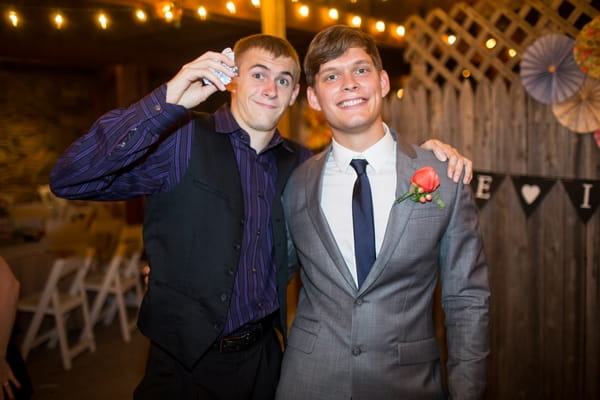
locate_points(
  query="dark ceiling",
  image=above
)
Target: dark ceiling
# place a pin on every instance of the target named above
(159, 45)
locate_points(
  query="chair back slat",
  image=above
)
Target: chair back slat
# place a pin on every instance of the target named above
(121, 277)
(69, 272)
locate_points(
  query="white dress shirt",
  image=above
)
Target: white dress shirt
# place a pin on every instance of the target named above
(338, 184)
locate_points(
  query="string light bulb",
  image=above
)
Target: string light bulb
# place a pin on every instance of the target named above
(512, 53)
(356, 21)
(333, 14)
(58, 20)
(490, 43)
(168, 13)
(230, 6)
(380, 26)
(102, 20)
(304, 11)
(401, 30)
(13, 18)
(255, 3)
(202, 13)
(140, 15)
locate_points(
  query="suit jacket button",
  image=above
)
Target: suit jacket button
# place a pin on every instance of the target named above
(356, 351)
(358, 302)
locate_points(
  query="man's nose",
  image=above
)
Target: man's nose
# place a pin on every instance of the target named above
(270, 89)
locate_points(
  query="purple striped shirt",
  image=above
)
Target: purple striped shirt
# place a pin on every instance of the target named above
(255, 289)
(144, 149)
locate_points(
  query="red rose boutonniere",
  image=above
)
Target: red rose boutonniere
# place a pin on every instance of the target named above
(422, 187)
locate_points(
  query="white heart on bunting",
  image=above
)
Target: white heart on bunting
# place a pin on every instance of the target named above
(530, 193)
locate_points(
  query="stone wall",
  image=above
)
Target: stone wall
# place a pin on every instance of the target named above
(42, 110)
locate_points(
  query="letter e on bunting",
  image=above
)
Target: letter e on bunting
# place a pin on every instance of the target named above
(484, 185)
(585, 196)
(531, 191)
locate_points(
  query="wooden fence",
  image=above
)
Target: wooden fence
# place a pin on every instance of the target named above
(543, 269)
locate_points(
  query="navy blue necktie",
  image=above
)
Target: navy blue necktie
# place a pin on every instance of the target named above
(362, 219)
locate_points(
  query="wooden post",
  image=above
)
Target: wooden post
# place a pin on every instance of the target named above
(272, 14)
(273, 23)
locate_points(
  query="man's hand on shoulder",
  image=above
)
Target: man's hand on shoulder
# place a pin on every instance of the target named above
(456, 161)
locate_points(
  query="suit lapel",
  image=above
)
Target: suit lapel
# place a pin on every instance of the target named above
(399, 213)
(314, 183)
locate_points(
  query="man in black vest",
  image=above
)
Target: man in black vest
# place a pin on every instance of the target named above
(214, 230)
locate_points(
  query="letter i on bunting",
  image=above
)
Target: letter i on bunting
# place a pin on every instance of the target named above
(585, 196)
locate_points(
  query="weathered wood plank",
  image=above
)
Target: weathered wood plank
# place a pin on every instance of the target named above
(544, 269)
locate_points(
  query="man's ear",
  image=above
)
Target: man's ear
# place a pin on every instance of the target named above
(295, 94)
(385, 82)
(232, 87)
(311, 96)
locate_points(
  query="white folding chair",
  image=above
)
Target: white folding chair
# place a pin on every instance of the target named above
(58, 301)
(118, 282)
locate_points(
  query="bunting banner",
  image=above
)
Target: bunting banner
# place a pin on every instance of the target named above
(531, 190)
(585, 196)
(484, 184)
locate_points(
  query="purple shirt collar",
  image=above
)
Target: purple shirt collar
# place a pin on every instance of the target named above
(226, 123)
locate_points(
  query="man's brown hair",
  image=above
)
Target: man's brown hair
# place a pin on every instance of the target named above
(274, 45)
(331, 43)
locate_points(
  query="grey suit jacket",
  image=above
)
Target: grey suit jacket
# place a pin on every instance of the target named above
(378, 342)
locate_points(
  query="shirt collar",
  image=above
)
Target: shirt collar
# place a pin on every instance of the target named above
(225, 123)
(377, 155)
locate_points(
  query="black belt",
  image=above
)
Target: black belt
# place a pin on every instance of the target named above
(244, 340)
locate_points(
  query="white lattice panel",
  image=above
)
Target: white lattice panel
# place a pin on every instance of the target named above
(434, 61)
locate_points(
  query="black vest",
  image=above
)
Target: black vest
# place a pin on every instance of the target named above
(192, 237)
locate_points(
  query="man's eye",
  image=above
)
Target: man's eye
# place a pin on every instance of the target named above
(330, 77)
(257, 75)
(284, 82)
(362, 70)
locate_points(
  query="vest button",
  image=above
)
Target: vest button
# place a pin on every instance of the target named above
(237, 247)
(230, 271)
(224, 297)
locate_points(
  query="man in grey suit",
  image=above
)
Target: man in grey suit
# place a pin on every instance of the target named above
(357, 337)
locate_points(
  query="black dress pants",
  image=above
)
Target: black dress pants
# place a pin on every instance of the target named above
(250, 374)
